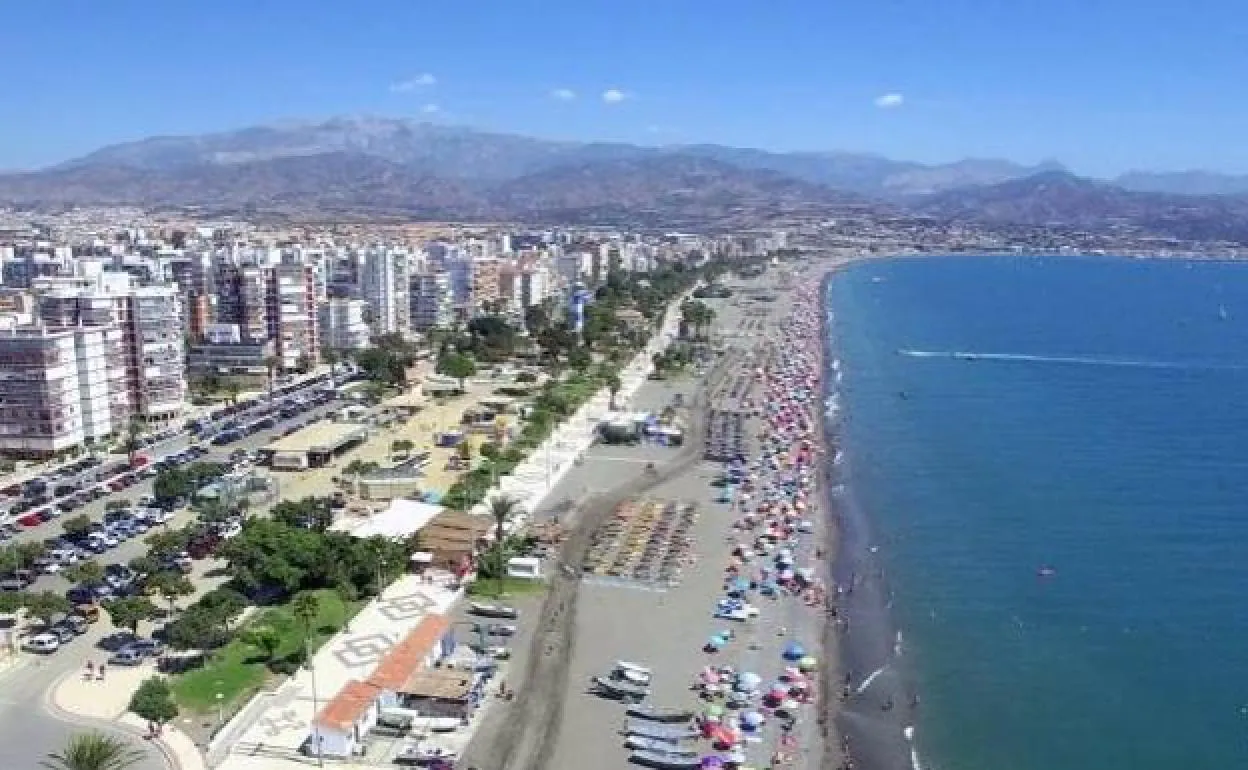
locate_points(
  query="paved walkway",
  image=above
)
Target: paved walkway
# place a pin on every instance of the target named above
(279, 730)
(106, 700)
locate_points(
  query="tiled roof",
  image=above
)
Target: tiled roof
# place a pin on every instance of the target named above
(351, 702)
(409, 655)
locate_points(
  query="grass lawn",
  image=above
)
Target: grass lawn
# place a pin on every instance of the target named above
(238, 670)
(488, 589)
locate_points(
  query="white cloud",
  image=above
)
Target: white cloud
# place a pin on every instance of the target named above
(889, 101)
(613, 96)
(563, 94)
(423, 80)
(431, 109)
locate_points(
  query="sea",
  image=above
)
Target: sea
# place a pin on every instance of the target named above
(1046, 463)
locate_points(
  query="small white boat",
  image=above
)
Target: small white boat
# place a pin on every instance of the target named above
(493, 610)
(423, 754)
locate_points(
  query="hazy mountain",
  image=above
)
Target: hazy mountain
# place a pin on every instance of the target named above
(1184, 182)
(656, 188)
(1062, 199)
(456, 152)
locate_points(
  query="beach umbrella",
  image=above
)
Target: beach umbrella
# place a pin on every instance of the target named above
(807, 663)
(751, 720)
(714, 643)
(794, 651)
(789, 706)
(791, 673)
(714, 711)
(748, 681)
(712, 762)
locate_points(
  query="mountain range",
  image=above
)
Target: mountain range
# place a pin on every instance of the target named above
(404, 168)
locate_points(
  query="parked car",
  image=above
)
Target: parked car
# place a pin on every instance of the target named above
(44, 644)
(126, 656)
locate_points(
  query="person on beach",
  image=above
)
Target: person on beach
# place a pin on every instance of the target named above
(90, 672)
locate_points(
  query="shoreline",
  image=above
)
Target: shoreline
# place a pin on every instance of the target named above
(875, 702)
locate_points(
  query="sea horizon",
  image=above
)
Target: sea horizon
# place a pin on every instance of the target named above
(1041, 487)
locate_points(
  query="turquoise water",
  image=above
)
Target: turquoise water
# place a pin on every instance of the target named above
(1108, 440)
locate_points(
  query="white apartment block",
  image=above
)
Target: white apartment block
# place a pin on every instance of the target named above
(384, 285)
(146, 347)
(432, 301)
(343, 326)
(54, 388)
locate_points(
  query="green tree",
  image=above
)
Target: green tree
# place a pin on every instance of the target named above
(306, 606)
(76, 526)
(46, 605)
(131, 444)
(458, 366)
(88, 573)
(271, 365)
(264, 638)
(171, 586)
(304, 363)
(168, 542)
(580, 359)
(464, 450)
(231, 391)
(12, 601)
(613, 387)
(502, 509)
(27, 553)
(93, 751)
(153, 701)
(10, 560)
(130, 611)
(171, 484)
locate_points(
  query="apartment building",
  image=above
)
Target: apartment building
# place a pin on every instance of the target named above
(385, 277)
(147, 374)
(486, 279)
(54, 389)
(432, 301)
(271, 303)
(343, 326)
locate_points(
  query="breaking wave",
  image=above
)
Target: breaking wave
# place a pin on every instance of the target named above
(1139, 363)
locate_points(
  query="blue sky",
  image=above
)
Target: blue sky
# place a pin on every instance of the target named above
(1102, 85)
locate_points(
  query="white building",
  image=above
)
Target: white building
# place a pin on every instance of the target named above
(343, 326)
(384, 279)
(55, 388)
(432, 301)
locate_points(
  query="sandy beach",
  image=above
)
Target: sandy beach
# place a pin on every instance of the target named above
(586, 625)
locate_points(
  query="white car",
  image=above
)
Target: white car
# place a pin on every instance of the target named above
(44, 644)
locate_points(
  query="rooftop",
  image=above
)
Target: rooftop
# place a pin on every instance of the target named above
(346, 708)
(408, 657)
(439, 684)
(319, 437)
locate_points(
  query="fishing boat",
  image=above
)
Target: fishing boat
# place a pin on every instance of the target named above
(619, 690)
(641, 743)
(659, 731)
(665, 761)
(652, 714)
(493, 610)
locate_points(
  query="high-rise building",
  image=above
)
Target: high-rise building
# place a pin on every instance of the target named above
(485, 284)
(342, 324)
(147, 348)
(54, 389)
(384, 285)
(432, 301)
(274, 303)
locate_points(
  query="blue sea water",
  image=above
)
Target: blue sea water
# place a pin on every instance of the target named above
(1003, 414)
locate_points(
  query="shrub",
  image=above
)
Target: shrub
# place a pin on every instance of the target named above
(153, 701)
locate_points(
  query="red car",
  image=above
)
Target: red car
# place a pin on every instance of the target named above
(30, 520)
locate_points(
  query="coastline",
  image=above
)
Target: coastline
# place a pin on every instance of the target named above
(874, 703)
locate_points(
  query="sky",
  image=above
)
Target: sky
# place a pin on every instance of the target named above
(1103, 86)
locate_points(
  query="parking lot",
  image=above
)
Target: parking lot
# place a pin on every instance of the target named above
(118, 501)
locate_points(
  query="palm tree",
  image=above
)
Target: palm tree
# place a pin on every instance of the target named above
(271, 363)
(305, 607)
(94, 751)
(131, 443)
(613, 386)
(502, 508)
